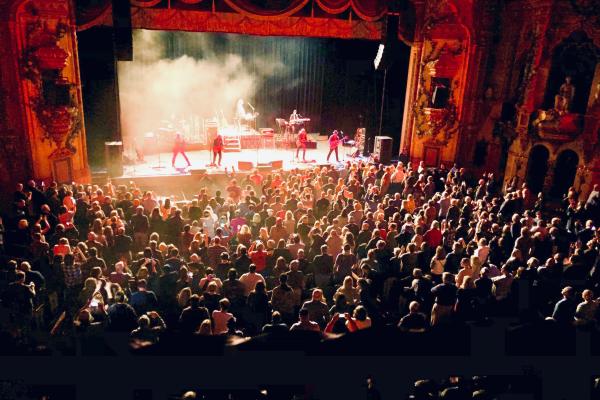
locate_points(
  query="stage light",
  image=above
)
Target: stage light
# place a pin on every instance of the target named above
(379, 55)
(387, 53)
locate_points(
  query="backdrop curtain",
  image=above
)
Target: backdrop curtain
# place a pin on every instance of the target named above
(297, 78)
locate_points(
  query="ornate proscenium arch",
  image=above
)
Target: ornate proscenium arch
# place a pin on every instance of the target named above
(348, 19)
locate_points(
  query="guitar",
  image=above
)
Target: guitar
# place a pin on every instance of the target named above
(301, 139)
(301, 142)
(334, 142)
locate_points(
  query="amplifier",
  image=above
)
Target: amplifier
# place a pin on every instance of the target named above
(113, 156)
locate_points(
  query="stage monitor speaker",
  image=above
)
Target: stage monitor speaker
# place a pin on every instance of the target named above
(113, 157)
(123, 36)
(382, 150)
(197, 171)
(245, 165)
(278, 164)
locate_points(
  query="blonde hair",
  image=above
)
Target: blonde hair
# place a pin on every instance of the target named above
(475, 264)
(183, 297)
(205, 328)
(244, 230)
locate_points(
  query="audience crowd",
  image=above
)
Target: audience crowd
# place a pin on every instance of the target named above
(321, 249)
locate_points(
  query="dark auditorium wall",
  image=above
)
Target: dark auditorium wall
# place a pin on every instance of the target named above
(100, 90)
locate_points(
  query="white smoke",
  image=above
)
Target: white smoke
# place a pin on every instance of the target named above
(153, 89)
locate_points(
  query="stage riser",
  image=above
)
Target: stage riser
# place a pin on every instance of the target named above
(178, 184)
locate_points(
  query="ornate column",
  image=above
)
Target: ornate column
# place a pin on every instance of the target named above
(43, 34)
(414, 69)
(412, 81)
(14, 151)
(438, 62)
(476, 106)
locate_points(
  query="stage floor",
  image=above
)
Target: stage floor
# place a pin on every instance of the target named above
(160, 164)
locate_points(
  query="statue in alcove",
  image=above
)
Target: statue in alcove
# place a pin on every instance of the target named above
(547, 118)
(564, 98)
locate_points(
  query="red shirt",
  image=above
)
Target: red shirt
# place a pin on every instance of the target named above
(218, 143)
(256, 179)
(433, 238)
(259, 258)
(179, 143)
(302, 138)
(333, 141)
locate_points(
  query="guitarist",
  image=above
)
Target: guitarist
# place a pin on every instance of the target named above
(217, 149)
(301, 144)
(179, 148)
(334, 142)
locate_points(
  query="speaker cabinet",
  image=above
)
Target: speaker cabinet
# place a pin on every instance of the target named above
(382, 150)
(277, 164)
(245, 165)
(113, 156)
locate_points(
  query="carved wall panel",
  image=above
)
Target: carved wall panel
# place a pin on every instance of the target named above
(49, 87)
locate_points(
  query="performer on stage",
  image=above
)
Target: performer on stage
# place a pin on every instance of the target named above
(334, 142)
(179, 147)
(301, 143)
(217, 149)
(294, 117)
(240, 112)
(139, 151)
(293, 122)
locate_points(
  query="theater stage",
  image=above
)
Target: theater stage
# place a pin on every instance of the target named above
(156, 172)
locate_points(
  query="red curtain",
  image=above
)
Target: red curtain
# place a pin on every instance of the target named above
(145, 3)
(160, 19)
(334, 6)
(92, 11)
(369, 9)
(248, 8)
